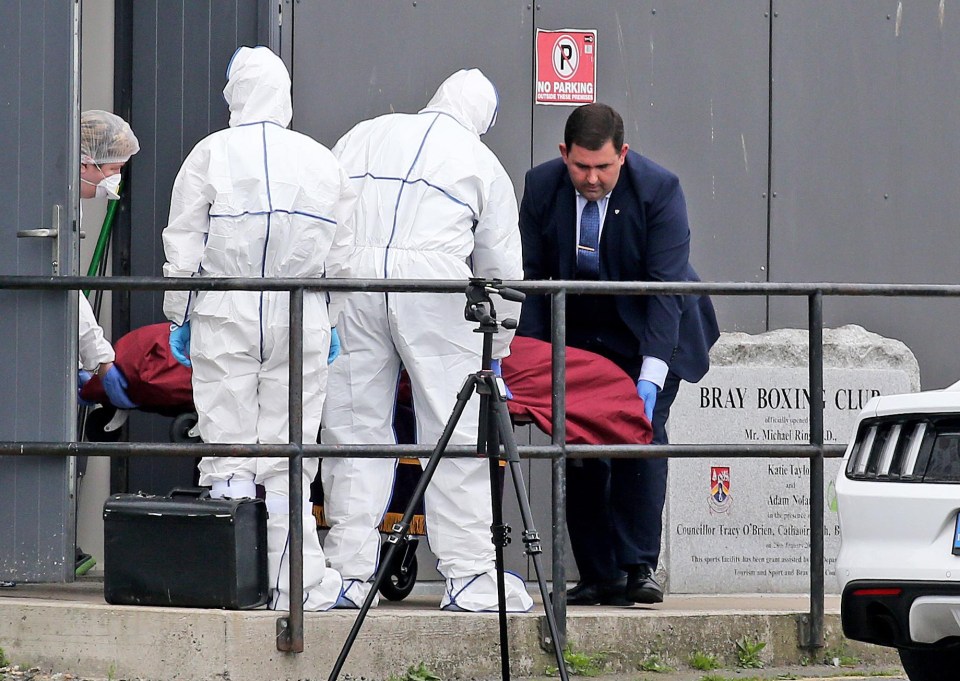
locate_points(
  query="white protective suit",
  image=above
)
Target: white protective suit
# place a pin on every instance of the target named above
(94, 348)
(259, 200)
(105, 138)
(435, 203)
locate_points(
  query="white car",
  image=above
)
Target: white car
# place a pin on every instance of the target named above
(899, 563)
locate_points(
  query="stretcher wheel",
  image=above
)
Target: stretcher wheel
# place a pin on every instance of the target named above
(181, 427)
(95, 425)
(402, 572)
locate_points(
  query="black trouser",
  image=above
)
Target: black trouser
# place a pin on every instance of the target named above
(615, 506)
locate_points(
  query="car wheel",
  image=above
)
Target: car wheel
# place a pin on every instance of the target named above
(932, 664)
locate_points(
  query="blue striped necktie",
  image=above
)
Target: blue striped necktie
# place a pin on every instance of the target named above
(588, 250)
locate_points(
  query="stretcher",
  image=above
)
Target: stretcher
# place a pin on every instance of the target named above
(602, 408)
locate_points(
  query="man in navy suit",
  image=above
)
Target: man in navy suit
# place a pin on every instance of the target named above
(606, 213)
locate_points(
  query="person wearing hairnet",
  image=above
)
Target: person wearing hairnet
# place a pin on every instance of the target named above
(106, 144)
(258, 200)
(435, 203)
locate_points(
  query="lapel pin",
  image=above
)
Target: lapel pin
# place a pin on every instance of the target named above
(616, 211)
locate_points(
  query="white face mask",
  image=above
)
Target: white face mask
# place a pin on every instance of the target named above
(109, 187)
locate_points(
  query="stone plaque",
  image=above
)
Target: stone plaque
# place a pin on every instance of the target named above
(741, 525)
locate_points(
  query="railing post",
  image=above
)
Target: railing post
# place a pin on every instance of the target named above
(814, 628)
(290, 628)
(558, 337)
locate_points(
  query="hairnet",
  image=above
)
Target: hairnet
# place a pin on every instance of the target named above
(106, 138)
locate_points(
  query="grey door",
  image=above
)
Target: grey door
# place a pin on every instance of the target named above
(38, 116)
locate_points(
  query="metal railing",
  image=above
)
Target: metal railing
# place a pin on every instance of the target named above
(290, 628)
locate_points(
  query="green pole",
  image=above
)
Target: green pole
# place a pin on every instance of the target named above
(103, 241)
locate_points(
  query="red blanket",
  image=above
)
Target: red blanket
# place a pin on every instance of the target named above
(602, 402)
(156, 380)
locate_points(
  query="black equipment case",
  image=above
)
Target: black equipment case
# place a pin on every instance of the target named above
(185, 550)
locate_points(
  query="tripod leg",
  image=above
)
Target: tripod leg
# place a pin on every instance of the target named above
(531, 537)
(400, 530)
(499, 531)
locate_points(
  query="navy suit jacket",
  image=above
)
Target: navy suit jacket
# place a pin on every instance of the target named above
(645, 237)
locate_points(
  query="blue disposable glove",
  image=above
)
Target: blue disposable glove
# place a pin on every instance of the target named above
(115, 385)
(648, 393)
(83, 377)
(495, 368)
(334, 346)
(180, 343)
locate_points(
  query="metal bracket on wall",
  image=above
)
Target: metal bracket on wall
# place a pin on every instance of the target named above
(53, 232)
(288, 640)
(547, 644)
(810, 637)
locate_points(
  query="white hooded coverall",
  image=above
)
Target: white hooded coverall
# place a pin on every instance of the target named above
(259, 200)
(434, 203)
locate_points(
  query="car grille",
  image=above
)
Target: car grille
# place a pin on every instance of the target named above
(907, 449)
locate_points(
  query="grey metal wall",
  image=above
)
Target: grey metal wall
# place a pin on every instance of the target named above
(685, 108)
(842, 169)
(357, 60)
(171, 70)
(38, 117)
(815, 139)
(690, 79)
(866, 164)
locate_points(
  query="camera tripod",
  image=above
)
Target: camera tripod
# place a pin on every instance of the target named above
(495, 427)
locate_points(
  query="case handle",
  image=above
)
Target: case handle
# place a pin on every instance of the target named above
(195, 492)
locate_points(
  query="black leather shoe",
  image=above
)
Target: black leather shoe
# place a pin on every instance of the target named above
(580, 588)
(598, 593)
(642, 587)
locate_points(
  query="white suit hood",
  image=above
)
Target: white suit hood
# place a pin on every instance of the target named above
(470, 98)
(258, 88)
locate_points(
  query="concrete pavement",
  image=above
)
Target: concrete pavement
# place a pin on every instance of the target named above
(70, 627)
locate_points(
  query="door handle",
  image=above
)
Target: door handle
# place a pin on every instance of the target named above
(44, 233)
(38, 233)
(52, 232)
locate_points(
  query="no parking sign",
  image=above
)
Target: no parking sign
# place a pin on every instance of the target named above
(566, 67)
